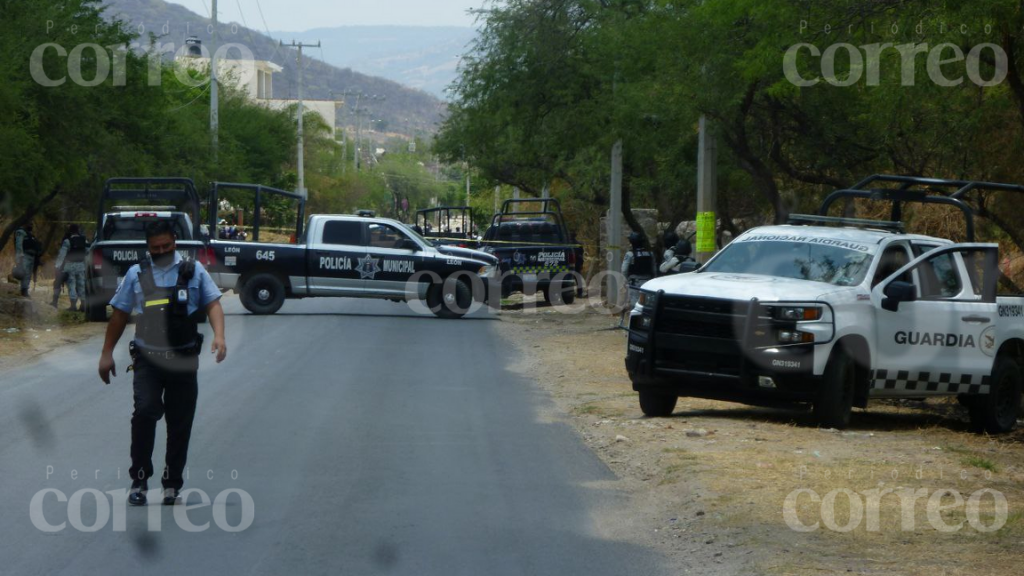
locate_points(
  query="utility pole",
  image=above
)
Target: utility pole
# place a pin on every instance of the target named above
(467, 185)
(497, 193)
(302, 172)
(546, 192)
(707, 192)
(615, 225)
(214, 103)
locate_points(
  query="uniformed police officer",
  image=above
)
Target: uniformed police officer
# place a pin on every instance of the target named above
(675, 257)
(166, 293)
(638, 264)
(71, 259)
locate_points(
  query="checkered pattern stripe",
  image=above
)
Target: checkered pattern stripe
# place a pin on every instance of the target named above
(943, 383)
(539, 269)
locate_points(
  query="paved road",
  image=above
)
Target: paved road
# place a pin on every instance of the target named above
(370, 440)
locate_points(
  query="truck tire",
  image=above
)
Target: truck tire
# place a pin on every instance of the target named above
(997, 411)
(657, 405)
(95, 312)
(263, 293)
(834, 404)
(95, 307)
(451, 305)
(559, 294)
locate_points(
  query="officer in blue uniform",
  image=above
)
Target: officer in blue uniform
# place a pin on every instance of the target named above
(167, 294)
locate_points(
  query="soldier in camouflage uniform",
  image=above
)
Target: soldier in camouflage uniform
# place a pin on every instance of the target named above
(26, 250)
(72, 258)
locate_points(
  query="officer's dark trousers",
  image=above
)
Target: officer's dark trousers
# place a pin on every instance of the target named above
(163, 388)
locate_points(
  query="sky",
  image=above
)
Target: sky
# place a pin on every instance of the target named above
(300, 15)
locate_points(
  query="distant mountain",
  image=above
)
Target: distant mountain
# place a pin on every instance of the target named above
(405, 110)
(419, 57)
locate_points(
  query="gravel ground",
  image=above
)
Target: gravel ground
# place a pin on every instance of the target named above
(709, 483)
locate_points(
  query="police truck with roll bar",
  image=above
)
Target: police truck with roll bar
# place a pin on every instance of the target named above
(120, 240)
(346, 256)
(836, 311)
(535, 250)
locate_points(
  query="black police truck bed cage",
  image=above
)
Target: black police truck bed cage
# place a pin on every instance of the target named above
(462, 216)
(510, 212)
(911, 189)
(259, 191)
(181, 191)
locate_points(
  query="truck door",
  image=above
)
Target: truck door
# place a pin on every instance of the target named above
(935, 318)
(334, 259)
(391, 261)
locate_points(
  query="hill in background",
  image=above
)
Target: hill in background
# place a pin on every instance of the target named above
(405, 110)
(419, 57)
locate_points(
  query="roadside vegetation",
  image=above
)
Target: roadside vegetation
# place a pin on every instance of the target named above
(551, 85)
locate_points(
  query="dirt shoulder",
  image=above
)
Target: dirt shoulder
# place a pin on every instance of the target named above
(23, 340)
(710, 484)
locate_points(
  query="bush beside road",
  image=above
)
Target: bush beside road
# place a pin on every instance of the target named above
(710, 483)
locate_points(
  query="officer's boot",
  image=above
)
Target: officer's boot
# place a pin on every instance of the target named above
(54, 301)
(74, 306)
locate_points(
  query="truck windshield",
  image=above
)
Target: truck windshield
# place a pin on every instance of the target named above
(799, 260)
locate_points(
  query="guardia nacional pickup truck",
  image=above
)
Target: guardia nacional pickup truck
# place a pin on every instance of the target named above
(837, 311)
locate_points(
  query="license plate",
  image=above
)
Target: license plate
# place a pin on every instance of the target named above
(529, 277)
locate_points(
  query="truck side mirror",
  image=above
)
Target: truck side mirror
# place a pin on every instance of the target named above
(408, 244)
(897, 292)
(688, 266)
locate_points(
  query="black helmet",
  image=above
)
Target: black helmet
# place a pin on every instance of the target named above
(636, 239)
(670, 239)
(683, 248)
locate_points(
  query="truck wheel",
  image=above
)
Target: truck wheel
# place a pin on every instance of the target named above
(95, 307)
(657, 405)
(95, 312)
(996, 412)
(559, 294)
(451, 304)
(835, 398)
(263, 294)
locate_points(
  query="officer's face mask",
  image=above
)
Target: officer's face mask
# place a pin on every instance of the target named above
(162, 260)
(161, 250)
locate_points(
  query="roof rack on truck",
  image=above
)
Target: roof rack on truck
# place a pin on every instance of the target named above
(807, 219)
(259, 191)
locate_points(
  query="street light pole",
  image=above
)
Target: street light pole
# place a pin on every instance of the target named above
(214, 102)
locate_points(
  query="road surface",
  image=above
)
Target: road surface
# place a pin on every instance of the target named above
(370, 440)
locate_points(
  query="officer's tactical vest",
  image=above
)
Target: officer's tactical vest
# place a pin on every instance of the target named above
(76, 248)
(165, 323)
(642, 264)
(29, 245)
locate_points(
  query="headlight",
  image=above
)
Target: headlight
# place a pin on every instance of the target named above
(488, 271)
(797, 313)
(795, 337)
(642, 300)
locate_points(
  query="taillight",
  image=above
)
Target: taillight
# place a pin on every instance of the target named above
(97, 259)
(571, 258)
(206, 256)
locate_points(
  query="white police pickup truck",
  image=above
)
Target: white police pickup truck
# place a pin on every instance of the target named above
(832, 312)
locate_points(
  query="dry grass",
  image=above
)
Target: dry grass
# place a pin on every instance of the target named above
(751, 459)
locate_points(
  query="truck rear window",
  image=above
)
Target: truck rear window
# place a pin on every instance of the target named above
(799, 260)
(120, 228)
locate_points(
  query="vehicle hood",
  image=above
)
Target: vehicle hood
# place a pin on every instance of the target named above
(742, 287)
(467, 253)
